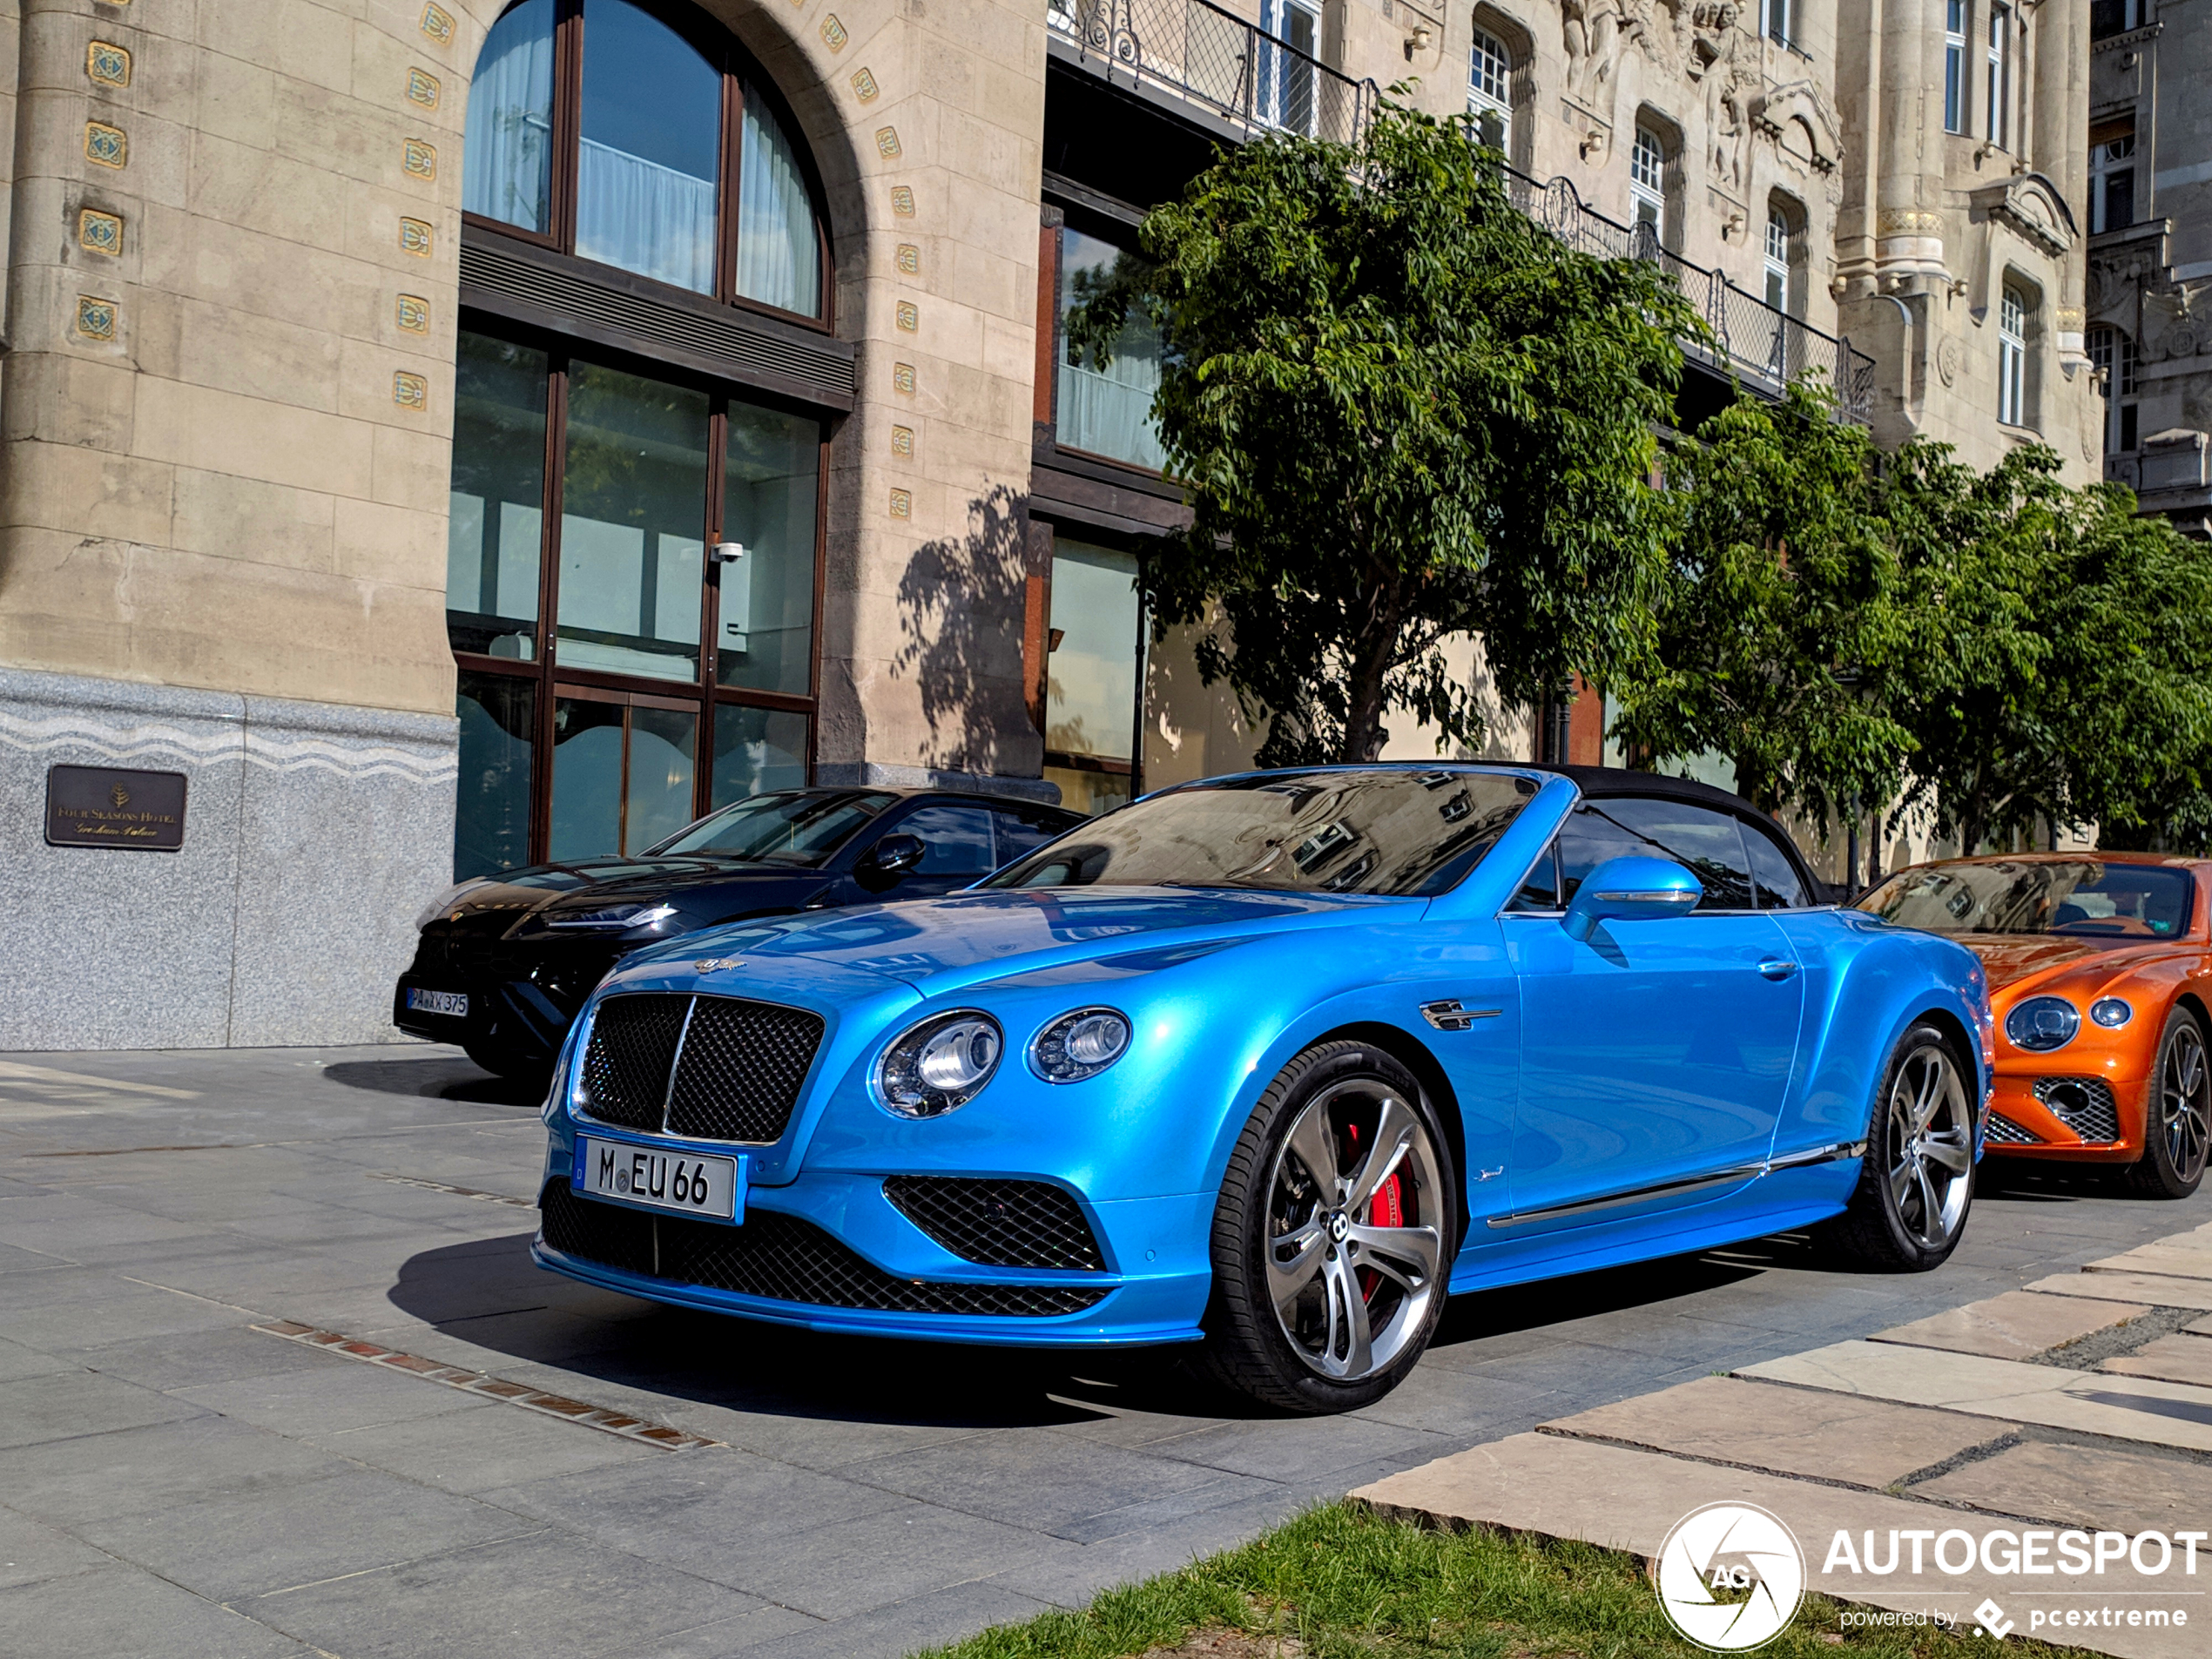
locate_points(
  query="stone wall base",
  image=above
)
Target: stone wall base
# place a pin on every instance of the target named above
(313, 835)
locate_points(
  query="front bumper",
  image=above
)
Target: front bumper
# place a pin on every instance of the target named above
(2084, 1116)
(832, 1253)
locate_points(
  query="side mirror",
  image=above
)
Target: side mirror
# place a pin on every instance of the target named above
(1634, 889)
(889, 859)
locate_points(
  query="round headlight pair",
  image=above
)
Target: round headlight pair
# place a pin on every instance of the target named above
(2042, 1023)
(944, 1061)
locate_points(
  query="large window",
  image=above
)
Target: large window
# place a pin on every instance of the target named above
(2113, 351)
(2112, 175)
(1090, 691)
(1775, 17)
(1490, 91)
(1954, 65)
(1285, 89)
(1648, 181)
(1778, 258)
(1105, 409)
(1999, 89)
(2011, 357)
(674, 546)
(639, 136)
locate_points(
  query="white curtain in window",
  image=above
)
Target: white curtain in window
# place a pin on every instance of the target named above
(778, 262)
(644, 218)
(504, 173)
(1109, 411)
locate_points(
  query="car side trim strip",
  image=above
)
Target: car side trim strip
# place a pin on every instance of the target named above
(1744, 1172)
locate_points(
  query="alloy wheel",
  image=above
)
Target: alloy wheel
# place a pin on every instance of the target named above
(1930, 1146)
(1354, 1246)
(2182, 1088)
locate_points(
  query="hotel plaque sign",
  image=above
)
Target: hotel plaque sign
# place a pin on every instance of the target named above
(104, 806)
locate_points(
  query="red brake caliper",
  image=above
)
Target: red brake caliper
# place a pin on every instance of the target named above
(1386, 1209)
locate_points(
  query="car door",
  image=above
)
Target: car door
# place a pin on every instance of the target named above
(1655, 1056)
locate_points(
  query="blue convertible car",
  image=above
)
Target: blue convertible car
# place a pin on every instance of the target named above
(1271, 1063)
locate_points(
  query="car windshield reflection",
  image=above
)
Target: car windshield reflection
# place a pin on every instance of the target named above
(1394, 831)
(2079, 898)
(794, 828)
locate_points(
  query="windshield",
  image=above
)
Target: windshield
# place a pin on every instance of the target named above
(1320, 832)
(2084, 898)
(796, 828)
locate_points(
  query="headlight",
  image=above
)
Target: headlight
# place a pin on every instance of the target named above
(2042, 1023)
(940, 1064)
(1079, 1045)
(2111, 1013)
(612, 919)
(431, 911)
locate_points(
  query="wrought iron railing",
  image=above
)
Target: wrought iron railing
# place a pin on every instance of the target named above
(1751, 339)
(1231, 68)
(1243, 76)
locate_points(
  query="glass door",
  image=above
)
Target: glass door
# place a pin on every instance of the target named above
(624, 772)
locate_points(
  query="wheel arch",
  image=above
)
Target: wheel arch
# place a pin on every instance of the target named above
(1412, 1053)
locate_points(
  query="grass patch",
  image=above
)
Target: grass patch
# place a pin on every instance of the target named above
(1341, 1582)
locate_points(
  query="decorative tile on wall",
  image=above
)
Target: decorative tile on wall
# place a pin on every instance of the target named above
(420, 158)
(902, 503)
(412, 313)
(903, 378)
(886, 143)
(107, 63)
(903, 441)
(902, 201)
(410, 391)
(415, 238)
(95, 318)
(437, 22)
(422, 88)
(104, 146)
(864, 86)
(834, 33)
(909, 258)
(909, 318)
(98, 233)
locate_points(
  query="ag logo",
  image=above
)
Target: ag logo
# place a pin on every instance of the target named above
(1730, 1576)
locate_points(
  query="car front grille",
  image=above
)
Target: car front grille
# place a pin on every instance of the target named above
(2083, 1104)
(999, 1224)
(2002, 1131)
(777, 1257)
(714, 1068)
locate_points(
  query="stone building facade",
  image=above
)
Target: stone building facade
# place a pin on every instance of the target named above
(2150, 224)
(449, 432)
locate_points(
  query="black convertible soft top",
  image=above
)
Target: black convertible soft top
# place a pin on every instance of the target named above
(1598, 783)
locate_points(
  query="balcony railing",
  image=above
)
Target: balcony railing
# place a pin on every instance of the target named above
(1247, 78)
(1232, 68)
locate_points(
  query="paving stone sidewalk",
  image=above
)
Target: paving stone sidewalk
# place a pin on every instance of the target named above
(2083, 1402)
(466, 1465)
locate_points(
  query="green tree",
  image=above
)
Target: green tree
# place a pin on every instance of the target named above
(1777, 620)
(1400, 412)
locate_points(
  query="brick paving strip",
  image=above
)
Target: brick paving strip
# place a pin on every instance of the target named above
(2083, 1402)
(478, 1382)
(418, 1182)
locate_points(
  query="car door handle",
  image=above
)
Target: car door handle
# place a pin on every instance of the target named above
(1777, 968)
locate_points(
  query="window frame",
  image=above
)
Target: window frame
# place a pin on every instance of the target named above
(2112, 349)
(1479, 97)
(2104, 167)
(702, 695)
(740, 71)
(1652, 194)
(1957, 113)
(1998, 58)
(2014, 309)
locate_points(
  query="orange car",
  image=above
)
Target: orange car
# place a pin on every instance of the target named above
(2099, 978)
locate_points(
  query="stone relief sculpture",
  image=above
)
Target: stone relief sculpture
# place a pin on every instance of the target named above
(1592, 28)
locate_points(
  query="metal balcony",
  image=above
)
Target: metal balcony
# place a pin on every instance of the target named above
(1232, 69)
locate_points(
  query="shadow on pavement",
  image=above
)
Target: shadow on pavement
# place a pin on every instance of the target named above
(490, 1293)
(434, 1077)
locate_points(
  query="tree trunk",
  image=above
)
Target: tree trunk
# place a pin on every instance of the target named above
(1372, 651)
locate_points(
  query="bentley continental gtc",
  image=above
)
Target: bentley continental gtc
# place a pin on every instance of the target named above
(2100, 971)
(1269, 1065)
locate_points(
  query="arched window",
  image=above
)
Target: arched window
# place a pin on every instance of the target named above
(2012, 356)
(1490, 91)
(1777, 259)
(641, 137)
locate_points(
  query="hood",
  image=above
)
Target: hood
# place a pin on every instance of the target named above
(939, 945)
(598, 882)
(2018, 963)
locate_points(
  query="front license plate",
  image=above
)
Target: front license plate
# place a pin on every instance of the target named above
(684, 1182)
(452, 1003)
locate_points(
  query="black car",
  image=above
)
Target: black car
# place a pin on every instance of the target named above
(505, 962)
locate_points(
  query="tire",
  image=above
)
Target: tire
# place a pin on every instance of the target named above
(1916, 1181)
(1288, 1257)
(2176, 1108)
